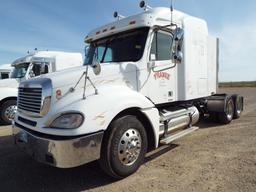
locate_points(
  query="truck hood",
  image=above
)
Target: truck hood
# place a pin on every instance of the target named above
(10, 83)
(110, 74)
(68, 77)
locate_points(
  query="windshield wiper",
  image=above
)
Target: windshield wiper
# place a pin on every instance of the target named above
(104, 53)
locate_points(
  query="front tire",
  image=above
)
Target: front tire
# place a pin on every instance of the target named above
(8, 111)
(124, 147)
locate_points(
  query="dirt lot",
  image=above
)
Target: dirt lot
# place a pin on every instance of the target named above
(214, 158)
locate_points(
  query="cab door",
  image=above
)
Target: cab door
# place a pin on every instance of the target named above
(162, 81)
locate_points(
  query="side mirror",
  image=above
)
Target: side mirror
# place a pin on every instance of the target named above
(96, 66)
(96, 69)
(179, 33)
(86, 54)
(31, 73)
(86, 50)
(178, 37)
(178, 57)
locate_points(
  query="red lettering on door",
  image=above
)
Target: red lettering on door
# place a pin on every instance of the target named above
(159, 75)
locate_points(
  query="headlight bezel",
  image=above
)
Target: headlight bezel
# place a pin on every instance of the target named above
(57, 120)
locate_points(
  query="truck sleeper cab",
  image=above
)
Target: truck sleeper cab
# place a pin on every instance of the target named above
(145, 83)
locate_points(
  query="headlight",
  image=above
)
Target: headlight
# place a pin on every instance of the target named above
(68, 121)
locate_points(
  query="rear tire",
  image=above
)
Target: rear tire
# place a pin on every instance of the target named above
(124, 147)
(238, 106)
(8, 111)
(227, 116)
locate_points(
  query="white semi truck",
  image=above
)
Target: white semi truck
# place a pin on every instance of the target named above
(145, 82)
(32, 65)
(5, 70)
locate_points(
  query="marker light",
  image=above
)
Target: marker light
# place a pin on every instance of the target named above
(58, 93)
(132, 22)
(112, 28)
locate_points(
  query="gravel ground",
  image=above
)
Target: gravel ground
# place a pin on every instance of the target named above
(214, 158)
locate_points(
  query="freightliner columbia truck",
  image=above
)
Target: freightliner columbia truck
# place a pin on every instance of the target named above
(32, 65)
(146, 81)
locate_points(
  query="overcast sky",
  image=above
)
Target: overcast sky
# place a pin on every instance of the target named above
(62, 25)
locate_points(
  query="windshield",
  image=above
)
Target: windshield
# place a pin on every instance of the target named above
(128, 46)
(20, 70)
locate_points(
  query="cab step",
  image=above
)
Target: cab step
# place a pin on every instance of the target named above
(168, 139)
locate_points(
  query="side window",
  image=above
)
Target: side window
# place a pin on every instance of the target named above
(36, 69)
(4, 75)
(161, 47)
(40, 68)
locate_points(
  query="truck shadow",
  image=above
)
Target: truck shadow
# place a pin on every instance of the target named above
(2, 124)
(19, 172)
(208, 123)
(159, 151)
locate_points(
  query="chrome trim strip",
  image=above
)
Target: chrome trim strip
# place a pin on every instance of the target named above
(64, 153)
(29, 97)
(31, 113)
(31, 94)
(25, 105)
(28, 102)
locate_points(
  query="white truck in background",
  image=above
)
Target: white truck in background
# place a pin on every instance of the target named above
(146, 81)
(5, 70)
(32, 65)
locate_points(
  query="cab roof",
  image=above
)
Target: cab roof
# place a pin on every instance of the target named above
(159, 16)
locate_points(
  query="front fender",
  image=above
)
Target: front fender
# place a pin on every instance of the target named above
(98, 110)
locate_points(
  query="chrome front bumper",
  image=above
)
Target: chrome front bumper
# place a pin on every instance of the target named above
(58, 151)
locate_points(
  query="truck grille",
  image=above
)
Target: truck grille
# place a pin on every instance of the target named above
(30, 99)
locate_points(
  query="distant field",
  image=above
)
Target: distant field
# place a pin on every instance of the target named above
(238, 84)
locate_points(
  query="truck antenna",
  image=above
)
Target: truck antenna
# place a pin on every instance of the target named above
(172, 13)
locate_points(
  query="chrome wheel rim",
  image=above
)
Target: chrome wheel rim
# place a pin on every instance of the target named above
(239, 107)
(129, 147)
(10, 112)
(230, 110)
